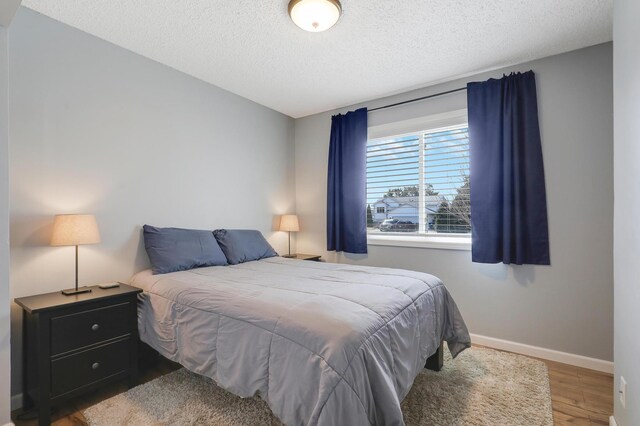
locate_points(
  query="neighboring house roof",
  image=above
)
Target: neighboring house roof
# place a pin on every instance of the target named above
(405, 207)
(432, 202)
(432, 209)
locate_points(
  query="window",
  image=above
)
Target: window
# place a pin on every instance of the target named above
(423, 179)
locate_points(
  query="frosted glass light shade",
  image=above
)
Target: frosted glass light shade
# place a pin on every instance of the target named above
(75, 230)
(289, 222)
(315, 15)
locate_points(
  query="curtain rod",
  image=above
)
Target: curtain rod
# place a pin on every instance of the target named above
(418, 99)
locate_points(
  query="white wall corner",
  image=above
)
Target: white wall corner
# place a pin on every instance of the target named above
(612, 421)
(8, 9)
(544, 353)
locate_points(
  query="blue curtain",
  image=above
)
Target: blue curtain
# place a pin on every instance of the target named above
(347, 184)
(508, 196)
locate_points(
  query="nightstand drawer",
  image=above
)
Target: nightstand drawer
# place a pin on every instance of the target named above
(88, 327)
(86, 367)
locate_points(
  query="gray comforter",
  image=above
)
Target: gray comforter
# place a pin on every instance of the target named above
(322, 343)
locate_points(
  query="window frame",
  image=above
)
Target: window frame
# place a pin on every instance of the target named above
(419, 126)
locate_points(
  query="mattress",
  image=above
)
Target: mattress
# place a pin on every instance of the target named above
(322, 343)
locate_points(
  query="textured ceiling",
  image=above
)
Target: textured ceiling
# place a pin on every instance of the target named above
(378, 48)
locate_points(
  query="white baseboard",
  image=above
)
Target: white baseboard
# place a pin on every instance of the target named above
(549, 354)
(16, 401)
(612, 421)
(9, 424)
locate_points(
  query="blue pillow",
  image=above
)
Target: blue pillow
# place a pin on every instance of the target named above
(243, 245)
(175, 249)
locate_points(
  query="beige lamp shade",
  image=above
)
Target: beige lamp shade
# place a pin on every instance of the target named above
(289, 222)
(75, 230)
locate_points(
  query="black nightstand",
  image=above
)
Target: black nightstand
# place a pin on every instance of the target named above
(300, 256)
(73, 344)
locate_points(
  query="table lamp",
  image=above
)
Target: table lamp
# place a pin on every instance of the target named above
(75, 230)
(289, 223)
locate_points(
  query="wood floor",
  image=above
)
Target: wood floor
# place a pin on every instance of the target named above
(579, 396)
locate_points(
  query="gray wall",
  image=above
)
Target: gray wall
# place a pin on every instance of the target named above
(95, 128)
(5, 365)
(626, 250)
(567, 306)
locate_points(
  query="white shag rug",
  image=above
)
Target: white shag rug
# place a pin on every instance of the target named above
(480, 387)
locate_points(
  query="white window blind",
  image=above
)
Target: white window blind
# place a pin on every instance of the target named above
(419, 183)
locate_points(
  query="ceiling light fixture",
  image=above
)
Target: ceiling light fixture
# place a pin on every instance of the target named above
(315, 15)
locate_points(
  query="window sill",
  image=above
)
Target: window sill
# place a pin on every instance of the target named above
(421, 241)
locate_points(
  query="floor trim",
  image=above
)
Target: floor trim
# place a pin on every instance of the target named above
(16, 401)
(549, 354)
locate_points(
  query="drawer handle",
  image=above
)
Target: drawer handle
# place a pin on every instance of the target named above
(95, 365)
(95, 327)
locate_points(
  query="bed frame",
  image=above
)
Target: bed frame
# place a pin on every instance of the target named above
(149, 357)
(436, 361)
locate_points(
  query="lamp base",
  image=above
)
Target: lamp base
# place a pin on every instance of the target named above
(289, 256)
(79, 290)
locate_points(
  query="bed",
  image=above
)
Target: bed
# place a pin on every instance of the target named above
(323, 344)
